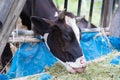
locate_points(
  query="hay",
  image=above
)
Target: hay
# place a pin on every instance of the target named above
(99, 69)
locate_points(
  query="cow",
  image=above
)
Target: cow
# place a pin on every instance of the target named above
(6, 57)
(83, 23)
(59, 31)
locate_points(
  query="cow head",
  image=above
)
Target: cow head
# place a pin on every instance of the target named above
(62, 37)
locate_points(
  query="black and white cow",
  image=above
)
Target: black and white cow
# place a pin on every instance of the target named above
(5, 57)
(59, 31)
(83, 23)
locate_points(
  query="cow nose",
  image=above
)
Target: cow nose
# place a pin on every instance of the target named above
(83, 62)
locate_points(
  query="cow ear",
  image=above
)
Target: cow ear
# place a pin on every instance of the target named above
(41, 21)
(80, 18)
(61, 15)
(41, 25)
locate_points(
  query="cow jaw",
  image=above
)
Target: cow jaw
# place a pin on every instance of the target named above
(78, 66)
(79, 63)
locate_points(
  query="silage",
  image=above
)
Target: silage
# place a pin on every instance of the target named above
(99, 69)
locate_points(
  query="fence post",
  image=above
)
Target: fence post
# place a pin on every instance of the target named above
(104, 13)
(90, 13)
(79, 7)
(65, 4)
(110, 12)
(10, 22)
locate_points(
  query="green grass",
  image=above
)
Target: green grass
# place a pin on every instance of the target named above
(73, 4)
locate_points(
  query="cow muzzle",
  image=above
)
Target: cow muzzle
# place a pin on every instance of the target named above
(78, 66)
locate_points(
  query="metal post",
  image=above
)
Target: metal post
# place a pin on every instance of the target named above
(110, 12)
(65, 4)
(90, 13)
(79, 7)
(33, 11)
(104, 13)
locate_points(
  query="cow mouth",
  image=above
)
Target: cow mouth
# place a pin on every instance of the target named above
(76, 70)
(79, 70)
(74, 67)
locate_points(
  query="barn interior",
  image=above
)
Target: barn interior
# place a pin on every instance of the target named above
(32, 60)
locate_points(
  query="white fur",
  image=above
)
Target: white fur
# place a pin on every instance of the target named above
(72, 23)
(56, 14)
(45, 38)
(75, 64)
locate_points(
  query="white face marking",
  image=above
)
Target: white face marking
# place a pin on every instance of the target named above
(75, 64)
(45, 38)
(72, 23)
(56, 14)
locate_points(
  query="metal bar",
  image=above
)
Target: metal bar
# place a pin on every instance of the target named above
(90, 13)
(30, 33)
(94, 29)
(110, 12)
(113, 8)
(102, 8)
(33, 11)
(65, 4)
(79, 7)
(33, 7)
(24, 39)
(105, 12)
(21, 32)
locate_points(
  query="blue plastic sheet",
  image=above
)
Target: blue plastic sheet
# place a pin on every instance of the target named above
(31, 58)
(94, 47)
(45, 77)
(115, 60)
(3, 77)
(115, 42)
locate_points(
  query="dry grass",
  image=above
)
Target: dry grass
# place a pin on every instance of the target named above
(99, 69)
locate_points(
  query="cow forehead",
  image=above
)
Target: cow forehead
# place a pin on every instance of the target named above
(72, 23)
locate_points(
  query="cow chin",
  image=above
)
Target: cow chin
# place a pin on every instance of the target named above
(78, 66)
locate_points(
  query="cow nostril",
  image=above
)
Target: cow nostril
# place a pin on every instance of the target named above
(83, 63)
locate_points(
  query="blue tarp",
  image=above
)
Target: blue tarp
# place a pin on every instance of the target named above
(115, 60)
(3, 77)
(31, 58)
(96, 47)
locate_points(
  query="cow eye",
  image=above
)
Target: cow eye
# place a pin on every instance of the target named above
(67, 37)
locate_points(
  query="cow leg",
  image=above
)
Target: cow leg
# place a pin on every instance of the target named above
(6, 55)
